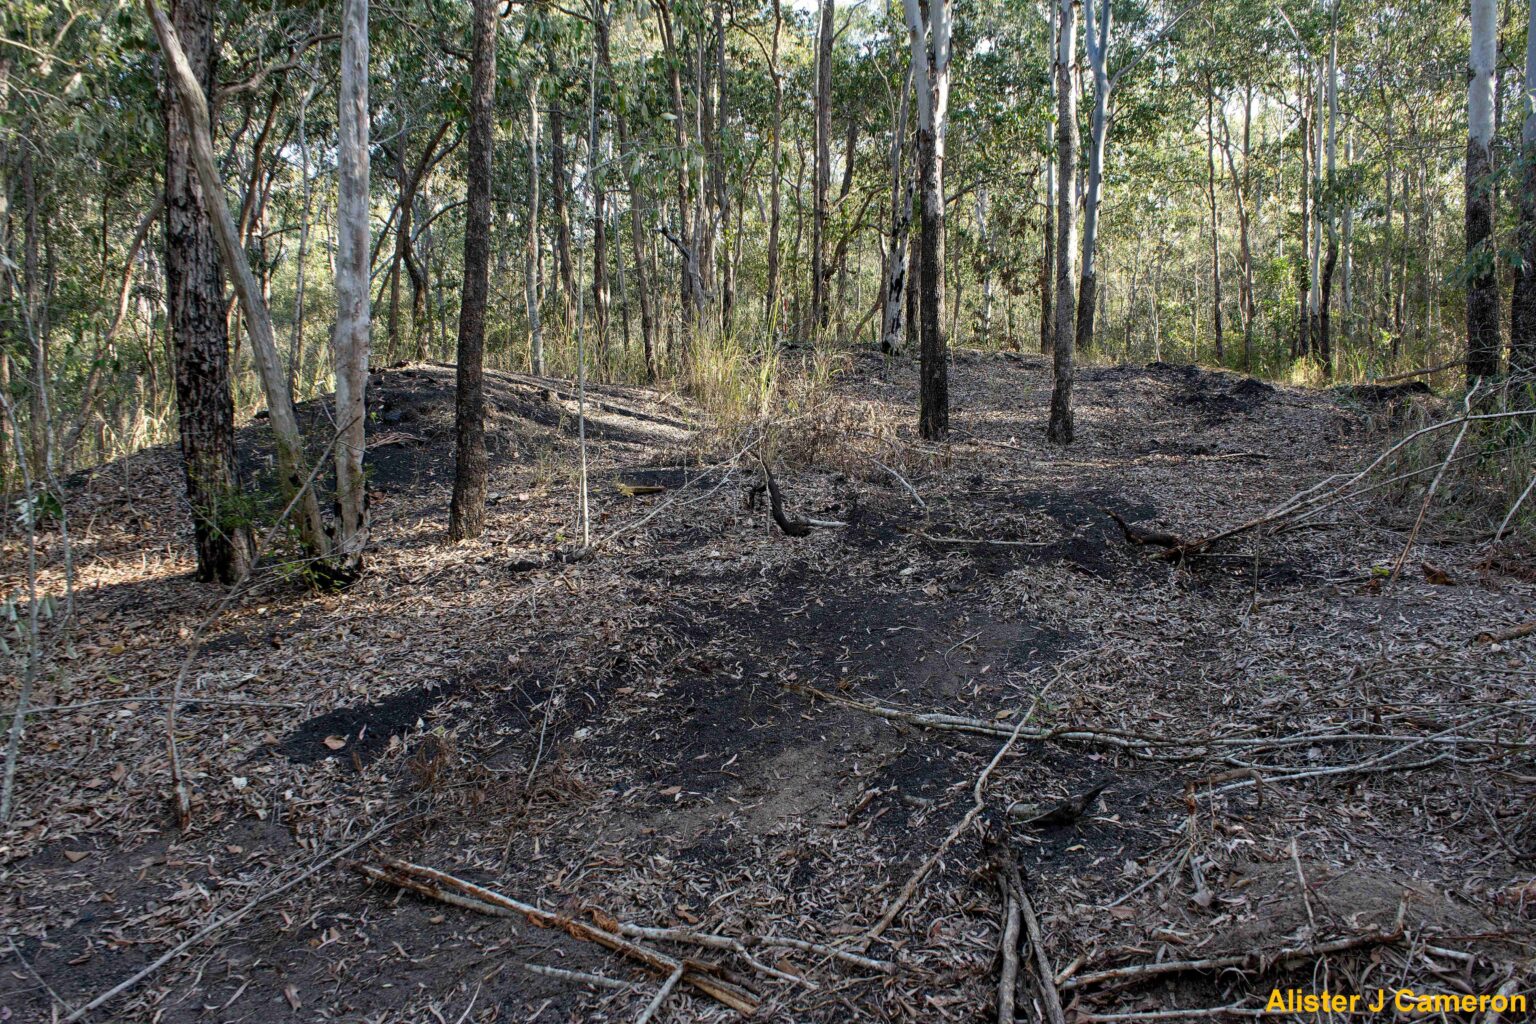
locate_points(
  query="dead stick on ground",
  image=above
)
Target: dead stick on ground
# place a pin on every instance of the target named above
(441, 885)
(1203, 1012)
(1514, 633)
(979, 803)
(661, 996)
(231, 918)
(1247, 961)
(918, 498)
(38, 977)
(580, 977)
(1008, 974)
(1049, 995)
(1434, 486)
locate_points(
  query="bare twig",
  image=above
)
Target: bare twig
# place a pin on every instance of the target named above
(1049, 995)
(442, 886)
(1434, 486)
(580, 977)
(978, 804)
(660, 996)
(314, 868)
(918, 498)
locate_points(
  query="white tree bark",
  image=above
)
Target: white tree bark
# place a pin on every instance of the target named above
(1485, 16)
(531, 256)
(353, 317)
(292, 471)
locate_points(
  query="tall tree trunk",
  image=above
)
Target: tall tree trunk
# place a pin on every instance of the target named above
(1210, 171)
(33, 316)
(1096, 35)
(200, 343)
(1522, 313)
(636, 221)
(930, 40)
(466, 516)
(531, 251)
(692, 292)
(822, 179)
(599, 215)
(353, 317)
(1048, 254)
(901, 225)
(1330, 210)
(915, 279)
(1240, 186)
(727, 273)
(1060, 427)
(559, 186)
(772, 302)
(1483, 285)
(291, 463)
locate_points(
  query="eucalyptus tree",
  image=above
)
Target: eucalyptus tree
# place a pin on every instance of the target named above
(1096, 38)
(1482, 276)
(928, 33)
(1522, 314)
(353, 313)
(1060, 426)
(466, 516)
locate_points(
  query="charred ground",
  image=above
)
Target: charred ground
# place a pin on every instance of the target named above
(637, 733)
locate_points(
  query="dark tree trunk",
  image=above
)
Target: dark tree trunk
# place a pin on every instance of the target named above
(933, 398)
(467, 513)
(1060, 427)
(1087, 306)
(1210, 171)
(1522, 313)
(199, 330)
(1483, 287)
(915, 288)
(823, 176)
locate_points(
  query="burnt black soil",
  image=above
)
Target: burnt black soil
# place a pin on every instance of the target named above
(364, 730)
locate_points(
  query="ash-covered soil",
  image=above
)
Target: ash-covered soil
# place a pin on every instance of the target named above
(669, 733)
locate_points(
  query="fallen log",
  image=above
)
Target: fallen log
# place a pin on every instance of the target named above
(446, 888)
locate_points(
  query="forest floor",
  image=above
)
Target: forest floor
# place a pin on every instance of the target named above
(662, 735)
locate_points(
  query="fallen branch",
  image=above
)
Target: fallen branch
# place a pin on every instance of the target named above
(918, 498)
(202, 933)
(790, 527)
(1434, 486)
(580, 977)
(1418, 373)
(1514, 633)
(1045, 975)
(979, 803)
(1008, 949)
(455, 891)
(1212, 1011)
(1256, 961)
(661, 996)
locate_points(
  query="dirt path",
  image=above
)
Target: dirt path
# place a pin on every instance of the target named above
(633, 733)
